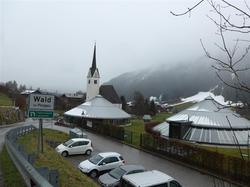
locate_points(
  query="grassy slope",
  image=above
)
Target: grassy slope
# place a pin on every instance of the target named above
(5, 100)
(11, 176)
(183, 106)
(68, 174)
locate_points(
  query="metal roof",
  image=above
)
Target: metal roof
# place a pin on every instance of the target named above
(218, 136)
(163, 128)
(210, 114)
(98, 108)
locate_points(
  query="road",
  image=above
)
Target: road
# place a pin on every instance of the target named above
(186, 176)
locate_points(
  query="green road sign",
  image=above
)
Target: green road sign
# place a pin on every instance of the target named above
(41, 114)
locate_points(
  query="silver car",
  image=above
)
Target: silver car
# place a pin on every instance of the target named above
(112, 179)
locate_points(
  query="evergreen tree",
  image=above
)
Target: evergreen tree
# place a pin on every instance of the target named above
(124, 103)
(139, 107)
(152, 107)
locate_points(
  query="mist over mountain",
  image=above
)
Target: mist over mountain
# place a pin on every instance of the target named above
(172, 82)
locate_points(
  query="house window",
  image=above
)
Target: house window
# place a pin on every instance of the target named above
(89, 81)
(95, 81)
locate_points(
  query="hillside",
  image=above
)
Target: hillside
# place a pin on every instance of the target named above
(5, 100)
(175, 81)
(172, 82)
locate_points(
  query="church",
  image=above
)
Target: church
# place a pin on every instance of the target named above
(94, 88)
(102, 105)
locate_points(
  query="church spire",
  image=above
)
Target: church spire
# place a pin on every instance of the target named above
(93, 67)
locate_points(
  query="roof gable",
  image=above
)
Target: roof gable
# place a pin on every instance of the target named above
(109, 93)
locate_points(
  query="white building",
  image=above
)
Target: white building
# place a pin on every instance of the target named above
(94, 88)
(102, 105)
(93, 79)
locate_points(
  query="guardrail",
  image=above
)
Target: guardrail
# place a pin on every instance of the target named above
(41, 177)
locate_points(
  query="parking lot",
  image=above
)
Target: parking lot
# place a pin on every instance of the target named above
(186, 176)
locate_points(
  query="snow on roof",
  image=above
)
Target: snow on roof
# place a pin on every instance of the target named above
(163, 128)
(202, 95)
(27, 92)
(98, 108)
(209, 113)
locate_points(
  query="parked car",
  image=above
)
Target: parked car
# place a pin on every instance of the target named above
(112, 179)
(152, 178)
(101, 162)
(75, 146)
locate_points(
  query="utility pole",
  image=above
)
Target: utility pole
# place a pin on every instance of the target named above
(41, 134)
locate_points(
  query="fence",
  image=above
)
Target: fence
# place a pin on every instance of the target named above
(230, 167)
(24, 162)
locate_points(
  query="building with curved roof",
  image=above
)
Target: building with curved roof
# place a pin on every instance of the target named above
(99, 109)
(210, 122)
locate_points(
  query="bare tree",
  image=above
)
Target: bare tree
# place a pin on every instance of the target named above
(230, 18)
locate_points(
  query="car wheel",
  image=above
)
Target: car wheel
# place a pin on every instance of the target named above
(64, 153)
(93, 173)
(88, 152)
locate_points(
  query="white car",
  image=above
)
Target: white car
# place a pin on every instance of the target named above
(101, 162)
(149, 179)
(75, 146)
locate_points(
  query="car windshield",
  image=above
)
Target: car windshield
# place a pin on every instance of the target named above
(95, 159)
(68, 142)
(117, 173)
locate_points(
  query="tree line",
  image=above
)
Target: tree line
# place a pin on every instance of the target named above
(13, 91)
(140, 106)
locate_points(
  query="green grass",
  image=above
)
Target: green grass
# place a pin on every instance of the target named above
(5, 100)
(183, 106)
(11, 176)
(137, 125)
(133, 131)
(68, 174)
(160, 117)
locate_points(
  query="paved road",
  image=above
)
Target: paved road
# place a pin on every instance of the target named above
(187, 177)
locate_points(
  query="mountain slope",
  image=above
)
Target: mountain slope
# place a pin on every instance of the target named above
(173, 82)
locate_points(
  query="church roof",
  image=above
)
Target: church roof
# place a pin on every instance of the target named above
(98, 108)
(109, 93)
(93, 67)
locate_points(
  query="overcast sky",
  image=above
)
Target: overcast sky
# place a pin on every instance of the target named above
(49, 43)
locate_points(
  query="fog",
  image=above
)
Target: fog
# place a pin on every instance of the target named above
(49, 43)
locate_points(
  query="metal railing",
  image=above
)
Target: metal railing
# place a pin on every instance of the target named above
(24, 162)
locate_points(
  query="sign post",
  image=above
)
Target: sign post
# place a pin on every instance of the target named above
(41, 107)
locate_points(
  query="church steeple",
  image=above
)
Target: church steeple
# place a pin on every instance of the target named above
(93, 79)
(93, 67)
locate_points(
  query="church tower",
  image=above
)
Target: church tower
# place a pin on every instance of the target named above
(93, 79)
